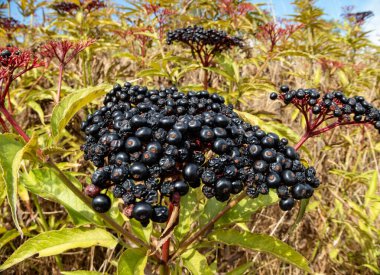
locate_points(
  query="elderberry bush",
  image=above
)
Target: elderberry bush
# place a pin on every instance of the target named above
(334, 105)
(152, 144)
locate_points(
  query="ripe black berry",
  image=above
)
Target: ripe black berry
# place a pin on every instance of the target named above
(138, 171)
(181, 187)
(160, 214)
(223, 186)
(286, 204)
(142, 211)
(101, 203)
(191, 172)
(132, 144)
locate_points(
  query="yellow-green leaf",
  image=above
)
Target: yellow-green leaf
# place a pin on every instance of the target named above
(45, 183)
(72, 103)
(195, 262)
(12, 151)
(132, 261)
(262, 243)
(57, 241)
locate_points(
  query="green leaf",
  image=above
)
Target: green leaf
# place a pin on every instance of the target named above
(12, 234)
(46, 184)
(3, 190)
(12, 151)
(57, 241)
(241, 269)
(300, 214)
(189, 205)
(132, 261)
(195, 262)
(221, 72)
(72, 103)
(37, 108)
(152, 72)
(241, 212)
(82, 272)
(262, 243)
(143, 233)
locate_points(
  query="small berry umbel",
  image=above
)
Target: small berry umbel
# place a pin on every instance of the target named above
(152, 144)
(333, 108)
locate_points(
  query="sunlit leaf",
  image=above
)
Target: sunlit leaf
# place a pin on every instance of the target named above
(195, 262)
(57, 241)
(262, 243)
(72, 103)
(132, 261)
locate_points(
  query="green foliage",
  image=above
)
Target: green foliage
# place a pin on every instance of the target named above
(55, 242)
(46, 184)
(71, 104)
(132, 261)
(262, 243)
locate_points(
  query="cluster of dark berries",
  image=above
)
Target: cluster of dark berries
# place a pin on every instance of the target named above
(152, 144)
(10, 24)
(69, 7)
(10, 56)
(347, 110)
(64, 7)
(197, 35)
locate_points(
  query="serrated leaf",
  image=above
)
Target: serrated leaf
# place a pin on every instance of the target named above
(132, 261)
(195, 262)
(151, 72)
(12, 234)
(262, 243)
(46, 184)
(12, 151)
(71, 104)
(37, 108)
(57, 241)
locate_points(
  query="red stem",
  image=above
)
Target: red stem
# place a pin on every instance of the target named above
(166, 245)
(305, 137)
(61, 69)
(2, 122)
(15, 125)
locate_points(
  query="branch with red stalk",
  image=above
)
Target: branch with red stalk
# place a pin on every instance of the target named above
(14, 63)
(64, 51)
(333, 109)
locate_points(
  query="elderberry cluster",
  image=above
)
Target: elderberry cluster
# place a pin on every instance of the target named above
(152, 144)
(198, 35)
(331, 105)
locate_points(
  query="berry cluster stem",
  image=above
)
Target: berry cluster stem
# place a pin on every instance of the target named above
(166, 246)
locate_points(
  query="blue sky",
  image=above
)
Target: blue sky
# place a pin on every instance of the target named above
(332, 8)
